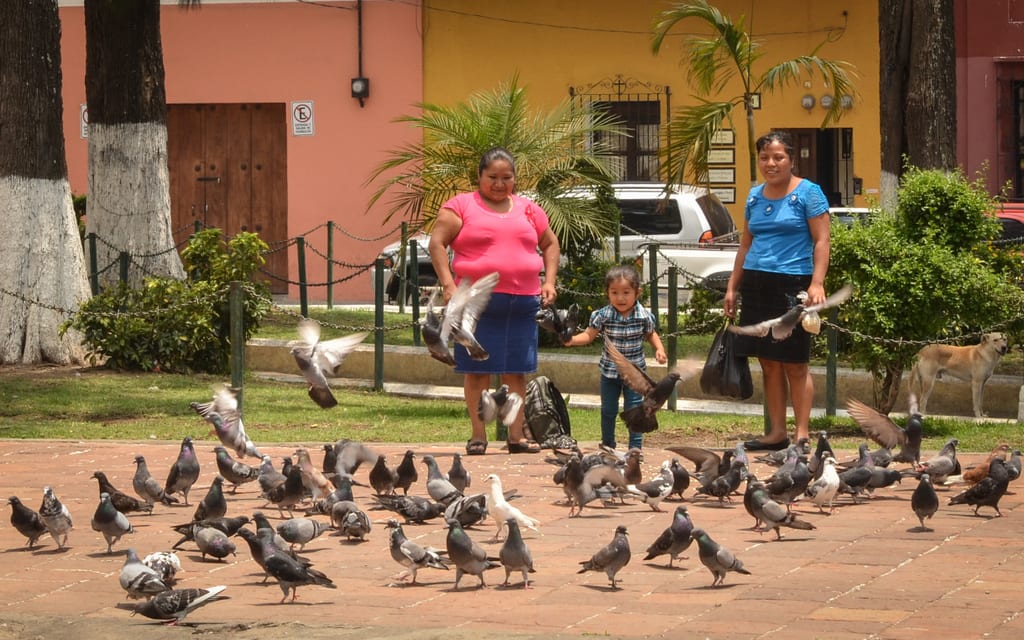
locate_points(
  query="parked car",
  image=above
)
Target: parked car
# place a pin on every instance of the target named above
(847, 215)
(687, 216)
(1012, 218)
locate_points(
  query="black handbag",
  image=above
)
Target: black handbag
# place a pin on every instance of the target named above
(726, 374)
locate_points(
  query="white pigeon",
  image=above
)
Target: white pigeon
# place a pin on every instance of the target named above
(460, 319)
(222, 413)
(783, 326)
(824, 489)
(55, 517)
(165, 563)
(500, 509)
(317, 359)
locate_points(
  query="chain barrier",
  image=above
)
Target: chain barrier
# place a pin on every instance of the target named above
(385, 236)
(348, 328)
(323, 255)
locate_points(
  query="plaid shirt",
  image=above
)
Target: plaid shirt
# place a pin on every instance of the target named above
(626, 333)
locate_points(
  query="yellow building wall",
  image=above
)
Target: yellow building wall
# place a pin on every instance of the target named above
(472, 46)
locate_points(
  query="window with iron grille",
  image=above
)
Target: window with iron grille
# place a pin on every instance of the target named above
(641, 108)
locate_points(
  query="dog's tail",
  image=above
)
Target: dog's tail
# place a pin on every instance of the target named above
(913, 389)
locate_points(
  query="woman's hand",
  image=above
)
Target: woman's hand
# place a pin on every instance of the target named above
(547, 295)
(815, 294)
(729, 304)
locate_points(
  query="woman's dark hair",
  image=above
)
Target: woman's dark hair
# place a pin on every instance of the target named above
(495, 153)
(622, 272)
(782, 137)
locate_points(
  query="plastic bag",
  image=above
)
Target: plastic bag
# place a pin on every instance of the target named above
(726, 374)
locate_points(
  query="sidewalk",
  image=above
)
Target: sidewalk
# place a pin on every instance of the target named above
(865, 572)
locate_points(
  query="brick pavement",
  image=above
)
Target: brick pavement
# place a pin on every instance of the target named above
(864, 572)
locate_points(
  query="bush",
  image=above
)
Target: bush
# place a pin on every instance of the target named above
(179, 326)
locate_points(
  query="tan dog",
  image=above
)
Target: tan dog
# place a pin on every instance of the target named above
(974, 364)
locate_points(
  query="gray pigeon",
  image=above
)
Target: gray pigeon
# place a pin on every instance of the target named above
(468, 510)
(301, 531)
(350, 455)
(500, 404)
(268, 477)
(26, 521)
(600, 481)
(110, 522)
(612, 558)
(138, 580)
(880, 428)
(356, 524)
(289, 572)
(772, 514)
(826, 486)
(438, 487)
(222, 412)
(790, 481)
(234, 471)
(924, 501)
(463, 312)
(467, 556)
(724, 485)
(656, 489)
(289, 493)
(562, 322)
(717, 559)
(414, 509)
(409, 554)
(405, 473)
(943, 465)
(229, 526)
(184, 471)
(324, 506)
(675, 539)
(214, 505)
(435, 335)
(213, 542)
(317, 359)
(1013, 465)
(172, 606)
(122, 501)
(680, 477)
(458, 475)
(642, 418)
(382, 478)
(989, 491)
(55, 517)
(146, 486)
(515, 555)
(783, 326)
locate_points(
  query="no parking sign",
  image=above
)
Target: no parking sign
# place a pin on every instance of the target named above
(302, 118)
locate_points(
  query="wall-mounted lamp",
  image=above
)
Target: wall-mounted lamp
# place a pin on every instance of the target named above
(846, 102)
(361, 89)
(826, 101)
(807, 102)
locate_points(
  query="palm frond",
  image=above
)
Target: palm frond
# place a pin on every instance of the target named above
(690, 131)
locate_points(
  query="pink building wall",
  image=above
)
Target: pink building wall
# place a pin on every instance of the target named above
(284, 52)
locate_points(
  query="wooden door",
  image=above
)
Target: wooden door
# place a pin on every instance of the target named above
(228, 169)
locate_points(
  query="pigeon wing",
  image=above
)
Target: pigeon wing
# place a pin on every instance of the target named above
(875, 424)
(632, 375)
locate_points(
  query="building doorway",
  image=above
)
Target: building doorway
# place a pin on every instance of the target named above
(825, 156)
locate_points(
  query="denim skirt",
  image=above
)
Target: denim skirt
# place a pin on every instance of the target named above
(507, 329)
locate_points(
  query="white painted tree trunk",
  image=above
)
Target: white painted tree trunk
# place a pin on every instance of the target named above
(129, 206)
(42, 272)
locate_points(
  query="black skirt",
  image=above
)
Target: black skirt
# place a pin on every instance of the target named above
(764, 296)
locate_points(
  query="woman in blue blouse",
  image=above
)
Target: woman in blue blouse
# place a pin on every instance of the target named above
(784, 250)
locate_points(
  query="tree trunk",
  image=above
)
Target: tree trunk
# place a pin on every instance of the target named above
(917, 86)
(887, 390)
(42, 269)
(129, 188)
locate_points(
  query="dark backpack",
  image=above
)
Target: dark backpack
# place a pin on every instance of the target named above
(546, 414)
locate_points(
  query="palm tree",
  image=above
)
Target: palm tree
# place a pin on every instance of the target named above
(555, 152)
(712, 62)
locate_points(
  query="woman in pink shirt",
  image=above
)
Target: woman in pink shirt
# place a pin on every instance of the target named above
(489, 230)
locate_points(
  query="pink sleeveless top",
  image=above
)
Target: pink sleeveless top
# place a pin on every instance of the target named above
(502, 242)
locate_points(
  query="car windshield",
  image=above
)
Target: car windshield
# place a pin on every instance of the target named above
(716, 213)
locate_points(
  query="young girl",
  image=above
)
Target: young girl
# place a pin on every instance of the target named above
(627, 324)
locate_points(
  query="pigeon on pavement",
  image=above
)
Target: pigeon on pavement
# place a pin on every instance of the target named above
(772, 514)
(165, 563)
(438, 487)
(289, 493)
(313, 479)
(515, 555)
(213, 542)
(468, 510)
(350, 455)
(26, 521)
(680, 477)
(942, 465)
(234, 471)
(707, 464)
(880, 428)
(459, 475)
(355, 524)
(382, 478)
(502, 403)
(611, 558)
(172, 606)
(289, 572)
(716, 558)
(724, 485)
(783, 326)
(978, 472)
(823, 490)
(139, 580)
(222, 413)
(467, 556)
(642, 418)
(269, 477)
(213, 505)
(317, 359)
(924, 501)
(414, 509)
(110, 522)
(405, 472)
(582, 487)
(301, 531)
(989, 491)
(184, 471)
(55, 517)
(122, 501)
(147, 487)
(502, 511)
(409, 554)
(675, 539)
(789, 481)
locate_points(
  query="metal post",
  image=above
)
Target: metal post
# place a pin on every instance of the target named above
(672, 323)
(94, 276)
(330, 264)
(500, 430)
(414, 262)
(400, 270)
(652, 259)
(236, 303)
(830, 364)
(378, 324)
(123, 261)
(300, 248)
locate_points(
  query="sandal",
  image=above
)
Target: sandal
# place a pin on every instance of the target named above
(476, 448)
(526, 446)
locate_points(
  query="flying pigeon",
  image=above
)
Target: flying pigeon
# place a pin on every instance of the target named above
(350, 455)
(887, 433)
(675, 539)
(139, 580)
(222, 412)
(55, 517)
(561, 322)
(184, 471)
(707, 464)
(317, 359)
(146, 486)
(716, 558)
(467, 556)
(409, 554)
(435, 334)
(121, 501)
(924, 501)
(234, 471)
(172, 606)
(460, 320)
(499, 404)
(611, 558)
(26, 521)
(110, 522)
(500, 509)
(783, 326)
(515, 555)
(641, 418)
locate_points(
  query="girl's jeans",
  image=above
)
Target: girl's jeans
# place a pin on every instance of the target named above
(611, 389)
